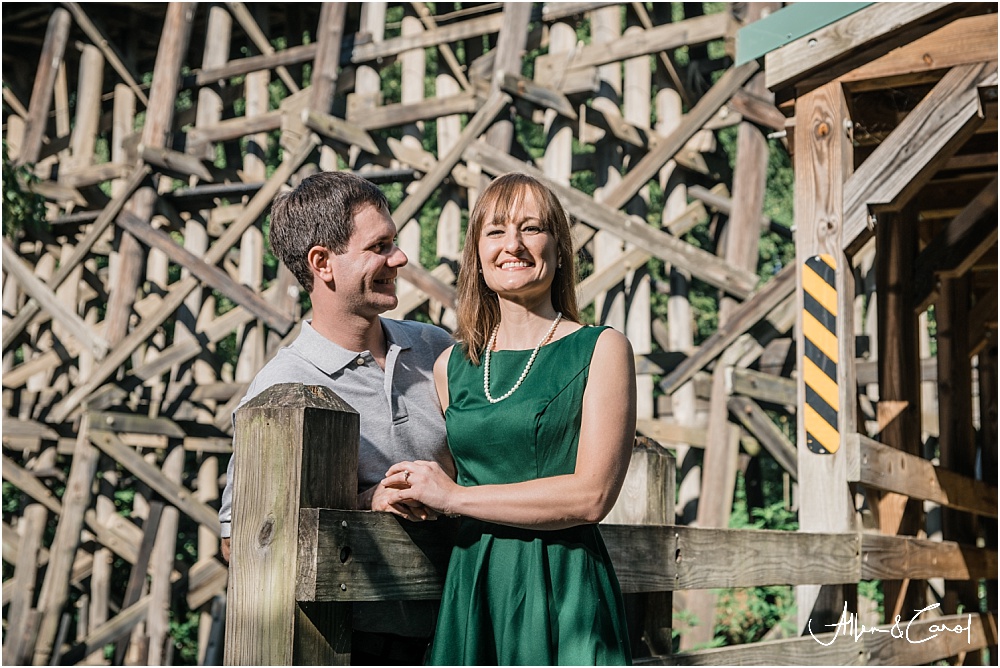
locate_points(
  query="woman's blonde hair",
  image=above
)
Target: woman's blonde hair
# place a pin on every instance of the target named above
(478, 306)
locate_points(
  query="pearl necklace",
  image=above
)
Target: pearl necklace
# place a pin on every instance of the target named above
(531, 360)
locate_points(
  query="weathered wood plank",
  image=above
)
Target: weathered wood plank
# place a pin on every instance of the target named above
(340, 130)
(25, 481)
(260, 40)
(12, 329)
(858, 38)
(889, 469)
(897, 557)
(666, 431)
(823, 159)
(966, 40)
(17, 647)
(455, 68)
(764, 387)
(387, 564)
(601, 216)
(723, 204)
(174, 161)
(538, 94)
(159, 118)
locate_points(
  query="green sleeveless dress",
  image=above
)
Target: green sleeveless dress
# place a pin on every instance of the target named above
(518, 596)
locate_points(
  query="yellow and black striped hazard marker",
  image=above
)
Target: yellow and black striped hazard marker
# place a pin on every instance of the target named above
(819, 330)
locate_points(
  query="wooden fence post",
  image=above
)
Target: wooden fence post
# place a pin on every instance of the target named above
(298, 448)
(647, 497)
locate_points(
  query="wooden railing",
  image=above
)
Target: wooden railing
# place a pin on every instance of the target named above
(302, 554)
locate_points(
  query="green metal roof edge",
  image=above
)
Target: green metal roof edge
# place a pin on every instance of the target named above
(787, 25)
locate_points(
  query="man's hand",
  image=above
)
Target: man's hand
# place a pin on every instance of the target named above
(225, 550)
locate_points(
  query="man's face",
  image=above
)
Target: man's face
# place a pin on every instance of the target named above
(364, 276)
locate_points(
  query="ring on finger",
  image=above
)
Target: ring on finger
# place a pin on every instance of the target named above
(406, 476)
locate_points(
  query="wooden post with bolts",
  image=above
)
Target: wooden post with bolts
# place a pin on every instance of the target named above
(297, 448)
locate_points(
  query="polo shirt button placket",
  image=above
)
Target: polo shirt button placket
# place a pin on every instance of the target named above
(360, 361)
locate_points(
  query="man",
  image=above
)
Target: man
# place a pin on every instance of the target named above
(334, 233)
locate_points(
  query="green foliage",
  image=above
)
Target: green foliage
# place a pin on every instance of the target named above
(22, 209)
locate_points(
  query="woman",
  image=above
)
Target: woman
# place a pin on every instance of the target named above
(540, 413)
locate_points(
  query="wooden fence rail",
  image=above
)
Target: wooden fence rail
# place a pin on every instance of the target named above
(298, 561)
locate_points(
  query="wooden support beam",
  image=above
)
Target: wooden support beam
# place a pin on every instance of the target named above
(38, 291)
(13, 328)
(410, 206)
(259, 39)
(339, 130)
(908, 158)
(234, 128)
(456, 68)
(958, 247)
(540, 95)
(693, 121)
(174, 161)
(158, 122)
(760, 425)
(600, 281)
(108, 49)
(174, 493)
(53, 51)
(291, 56)
(476, 27)
(689, 32)
(210, 274)
(21, 617)
(823, 161)
(668, 431)
(633, 229)
(723, 204)
(747, 315)
(76, 499)
(969, 39)
(392, 115)
(181, 289)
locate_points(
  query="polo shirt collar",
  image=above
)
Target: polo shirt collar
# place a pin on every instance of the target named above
(331, 358)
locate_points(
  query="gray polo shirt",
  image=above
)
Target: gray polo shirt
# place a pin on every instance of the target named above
(400, 418)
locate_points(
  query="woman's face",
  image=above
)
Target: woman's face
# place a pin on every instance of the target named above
(519, 256)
